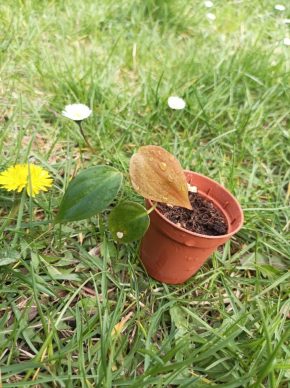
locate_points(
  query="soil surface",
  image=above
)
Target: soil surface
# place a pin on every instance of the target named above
(205, 218)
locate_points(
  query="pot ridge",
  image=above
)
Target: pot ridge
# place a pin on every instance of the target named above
(172, 254)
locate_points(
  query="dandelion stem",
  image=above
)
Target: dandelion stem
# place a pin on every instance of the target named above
(30, 197)
(19, 218)
(84, 136)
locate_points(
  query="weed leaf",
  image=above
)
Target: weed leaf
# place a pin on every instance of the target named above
(128, 221)
(89, 193)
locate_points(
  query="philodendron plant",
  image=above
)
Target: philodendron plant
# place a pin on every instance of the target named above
(155, 174)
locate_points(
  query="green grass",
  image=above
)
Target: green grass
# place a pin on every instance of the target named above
(229, 324)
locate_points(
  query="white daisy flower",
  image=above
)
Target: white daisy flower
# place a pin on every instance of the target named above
(176, 103)
(208, 4)
(211, 16)
(120, 234)
(286, 41)
(76, 112)
(280, 7)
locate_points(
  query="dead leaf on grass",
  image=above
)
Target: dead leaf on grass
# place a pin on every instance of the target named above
(250, 260)
(119, 327)
(95, 252)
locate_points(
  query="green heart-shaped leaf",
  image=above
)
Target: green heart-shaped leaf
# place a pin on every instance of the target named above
(128, 221)
(89, 193)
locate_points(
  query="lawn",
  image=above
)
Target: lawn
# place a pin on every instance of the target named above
(79, 310)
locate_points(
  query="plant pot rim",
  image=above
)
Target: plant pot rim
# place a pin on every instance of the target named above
(180, 229)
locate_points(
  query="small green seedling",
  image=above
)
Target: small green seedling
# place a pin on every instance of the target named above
(155, 174)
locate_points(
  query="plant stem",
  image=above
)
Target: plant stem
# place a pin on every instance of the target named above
(84, 136)
(19, 218)
(152, 208)
(30, 197)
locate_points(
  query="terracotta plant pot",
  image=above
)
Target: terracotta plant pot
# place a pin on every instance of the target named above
(171, 254)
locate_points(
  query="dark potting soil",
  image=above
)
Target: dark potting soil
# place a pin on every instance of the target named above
(204, 218)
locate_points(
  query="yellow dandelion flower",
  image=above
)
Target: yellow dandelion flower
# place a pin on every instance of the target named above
(25, 176)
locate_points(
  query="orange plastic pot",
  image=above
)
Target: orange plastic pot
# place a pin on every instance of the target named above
(172, 254)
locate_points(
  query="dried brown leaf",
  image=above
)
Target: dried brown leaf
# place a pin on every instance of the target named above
(157, 175)
(120, 326)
